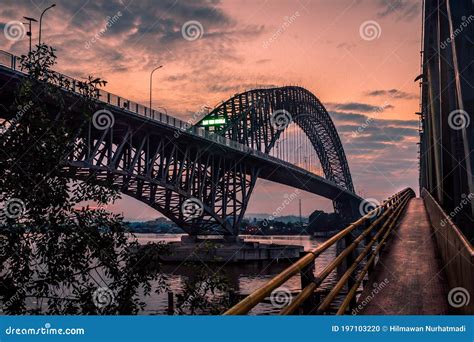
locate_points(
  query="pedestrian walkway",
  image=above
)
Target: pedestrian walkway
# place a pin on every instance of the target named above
(409, 269)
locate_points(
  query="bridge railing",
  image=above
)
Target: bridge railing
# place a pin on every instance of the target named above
(456, 251)
(371, 231)
(13, 62)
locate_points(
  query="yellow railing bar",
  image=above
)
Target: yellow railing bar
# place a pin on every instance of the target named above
(260, 294)
(308, 290)
(361, 275)
(345, 277)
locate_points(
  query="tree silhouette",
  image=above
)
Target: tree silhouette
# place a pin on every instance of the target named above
(57, 254)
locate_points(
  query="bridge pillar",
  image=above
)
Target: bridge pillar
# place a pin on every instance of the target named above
(347, 209)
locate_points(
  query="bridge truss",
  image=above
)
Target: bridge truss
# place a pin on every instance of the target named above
(200, 180)
(258, 119)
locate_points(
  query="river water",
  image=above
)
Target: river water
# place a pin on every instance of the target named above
(244, 278)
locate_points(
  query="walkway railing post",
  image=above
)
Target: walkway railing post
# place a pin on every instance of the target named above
(371, 236)
(374, 228)
(307, 277)
(349, 261)
(367, 240)
(170, 310)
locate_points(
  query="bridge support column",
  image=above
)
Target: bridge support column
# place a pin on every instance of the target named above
(347, 209)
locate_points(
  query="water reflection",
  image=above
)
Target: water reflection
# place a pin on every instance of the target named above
(244, 278)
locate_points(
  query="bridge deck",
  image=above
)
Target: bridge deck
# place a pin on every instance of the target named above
(416, 282)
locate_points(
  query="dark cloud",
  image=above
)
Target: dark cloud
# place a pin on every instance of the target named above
(400, 9)
(177, 77)
(359, 119)
(140, 18)
(378, 133)
(402, 123)
(146, 28)
(360, 107)
(391, 134)
(227, 88)
(392, 93)
(363, 147)
(378, 126)
(148, 33)
(351, 117)
(361, 134)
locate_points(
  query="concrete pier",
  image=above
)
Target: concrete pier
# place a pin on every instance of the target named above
(230, 251)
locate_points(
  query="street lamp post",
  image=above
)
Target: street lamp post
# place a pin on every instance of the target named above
(151, 82)
(29, 34)
(41, 19)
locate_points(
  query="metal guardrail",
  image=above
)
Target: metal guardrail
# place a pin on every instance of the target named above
(455, 250)
(373, 229)
(12, 62)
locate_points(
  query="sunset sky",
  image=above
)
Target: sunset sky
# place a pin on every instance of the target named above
(356, 56)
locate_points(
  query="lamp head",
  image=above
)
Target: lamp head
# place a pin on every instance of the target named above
(30, 19)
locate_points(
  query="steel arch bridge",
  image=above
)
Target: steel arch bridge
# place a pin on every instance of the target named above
(168, 164)
(258, 117)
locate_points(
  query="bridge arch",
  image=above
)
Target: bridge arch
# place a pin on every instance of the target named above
(258, 117)
(163, 162)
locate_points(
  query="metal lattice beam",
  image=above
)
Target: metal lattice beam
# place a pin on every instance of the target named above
(161, 161)
(247, 119)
